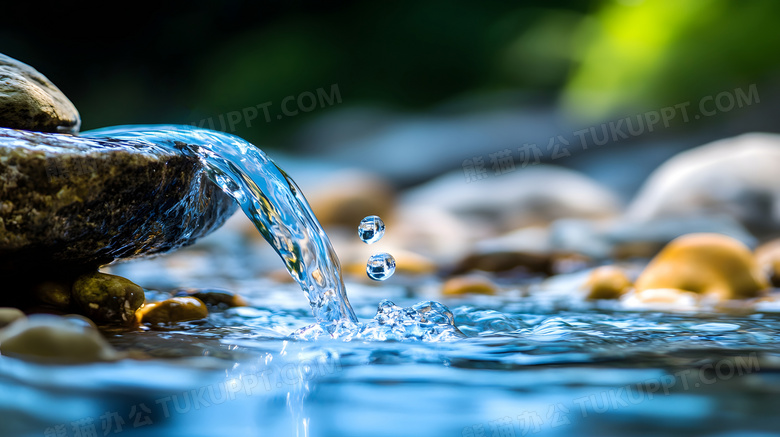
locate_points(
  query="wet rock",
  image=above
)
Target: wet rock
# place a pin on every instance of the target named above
(107, 298)
(530, 196)
(216, 298)
(9, 315)
(735, 177)
(768, 258)
(175, 309)
(496, 262)
(74, 204)
(469, 284)
(53, 339)
(29, 101)
(607, 282)
(623, 238)
(707, 264)
(56, 294)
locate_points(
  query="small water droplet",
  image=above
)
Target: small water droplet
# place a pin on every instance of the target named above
(380, 266)
(371, 229)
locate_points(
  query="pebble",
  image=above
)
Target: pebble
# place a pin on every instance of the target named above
(175, 309)
(216, 298)
(768, 258)
(107, 298)
(54, 339)
(734, 177)
(29, 101)
(533, 196)
(468, 284)
(607, 282)
(9, 315)
(707, 264)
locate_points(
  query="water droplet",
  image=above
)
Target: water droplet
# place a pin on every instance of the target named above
(371, 229)
(380, 266)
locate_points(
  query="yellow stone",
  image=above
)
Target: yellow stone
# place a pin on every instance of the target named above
(469, 284)
(175, 309)
(607, 282)
(706, 264)
(768, 258)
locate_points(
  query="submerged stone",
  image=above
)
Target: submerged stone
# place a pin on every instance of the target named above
(28, 100)
(707, 264)
(175, 309)
(607, 282)
(53, 339)
(72, 204)
(107, 298)
(469, 284)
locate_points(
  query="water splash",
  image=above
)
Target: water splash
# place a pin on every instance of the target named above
(275, 204)
(371, 229)
(380, 266)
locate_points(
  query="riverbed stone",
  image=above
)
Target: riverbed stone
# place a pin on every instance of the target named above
(607, 282)
(733, 177)
(54, 339)
(531, 196)
(712, 265)
(72, 204)
(107, 298)
(30, 101)
(175, 309)
(768, 258)
(216, 298)
(468, 284)
(10, 315)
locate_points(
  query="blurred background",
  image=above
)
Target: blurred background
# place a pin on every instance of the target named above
(398, 76)
(408, 91)
(441, 111)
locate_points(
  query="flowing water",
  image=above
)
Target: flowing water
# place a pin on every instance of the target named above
(533, 360)
(275, 204)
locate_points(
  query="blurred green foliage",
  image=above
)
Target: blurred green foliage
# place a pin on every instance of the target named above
(653, 53)
(186, 63)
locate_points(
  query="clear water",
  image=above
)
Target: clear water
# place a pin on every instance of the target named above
(380, 266)
(371, 229)
(536, 360)
(277, 207)
(269, 197)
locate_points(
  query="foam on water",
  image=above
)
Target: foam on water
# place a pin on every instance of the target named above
(275, 204)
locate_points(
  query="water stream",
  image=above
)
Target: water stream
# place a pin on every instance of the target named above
(277, 207)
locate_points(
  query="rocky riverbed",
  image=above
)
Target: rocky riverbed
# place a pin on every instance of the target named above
(580, 312)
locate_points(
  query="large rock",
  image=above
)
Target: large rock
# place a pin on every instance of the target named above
(28, 100)
(735, 177)
(69, 204)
